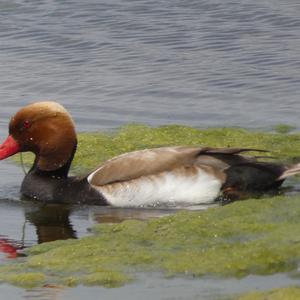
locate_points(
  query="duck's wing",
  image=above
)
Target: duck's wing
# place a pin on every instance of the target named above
(133, 165)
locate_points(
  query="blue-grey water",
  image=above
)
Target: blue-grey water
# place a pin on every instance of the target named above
(196, 62)
(201, 63)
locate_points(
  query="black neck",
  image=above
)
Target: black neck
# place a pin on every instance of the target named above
(61, 172)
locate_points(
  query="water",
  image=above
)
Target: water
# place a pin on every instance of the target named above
(200, 63)
(154, 286)
(195, 62)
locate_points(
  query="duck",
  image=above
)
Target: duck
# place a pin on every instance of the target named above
(165, 176)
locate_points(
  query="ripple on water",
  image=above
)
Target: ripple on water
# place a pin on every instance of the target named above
(168, 60)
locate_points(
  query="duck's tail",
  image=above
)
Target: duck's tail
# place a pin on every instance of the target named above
(290, 171)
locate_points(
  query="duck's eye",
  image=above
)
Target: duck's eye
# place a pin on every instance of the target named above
(26, 124)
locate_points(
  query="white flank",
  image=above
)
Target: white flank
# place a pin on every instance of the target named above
(165, 189)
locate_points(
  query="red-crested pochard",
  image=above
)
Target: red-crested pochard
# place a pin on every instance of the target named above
(151, 177)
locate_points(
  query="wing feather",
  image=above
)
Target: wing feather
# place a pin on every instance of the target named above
(135, 164)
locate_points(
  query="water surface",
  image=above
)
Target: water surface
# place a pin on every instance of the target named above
(201, 63)
(155, 286)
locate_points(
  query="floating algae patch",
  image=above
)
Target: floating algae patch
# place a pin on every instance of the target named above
(247, 237)
(284, 128)
(107, 279)
(24, 279)
(289, 293)
(94, 148)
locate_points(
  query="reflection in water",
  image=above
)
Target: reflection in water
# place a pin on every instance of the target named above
(9, 247)
(25, 223)
(45, 293)
(117, 215)
(52, 222)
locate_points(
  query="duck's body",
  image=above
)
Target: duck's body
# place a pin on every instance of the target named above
(183, 184)
(161, 176)
(154, 177)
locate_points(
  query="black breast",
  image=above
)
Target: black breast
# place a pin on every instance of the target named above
(51, 189)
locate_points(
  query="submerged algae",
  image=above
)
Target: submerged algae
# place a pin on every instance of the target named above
(94, 148)
(248, 237)
(290, 293)
(283, 128)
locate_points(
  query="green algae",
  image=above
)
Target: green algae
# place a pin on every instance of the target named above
(106, 278)
(289, 293)
(283, 128)
(247, 237)
(24, 279)
(94, 148)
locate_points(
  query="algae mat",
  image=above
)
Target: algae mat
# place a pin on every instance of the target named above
(247, 237)
(256, 236)
(290, 293)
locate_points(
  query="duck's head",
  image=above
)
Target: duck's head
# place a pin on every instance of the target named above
(47, 130)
